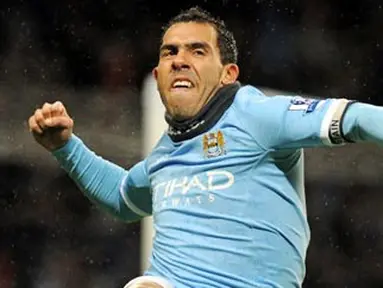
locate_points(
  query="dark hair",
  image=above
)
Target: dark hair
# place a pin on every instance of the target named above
(225, 38)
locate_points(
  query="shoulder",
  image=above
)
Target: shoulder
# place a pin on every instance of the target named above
(249, 99)
(249, 91)
(163, 145)
(248, 95)
(161, 150)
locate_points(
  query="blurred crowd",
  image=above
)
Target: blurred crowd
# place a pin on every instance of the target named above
(95, 55)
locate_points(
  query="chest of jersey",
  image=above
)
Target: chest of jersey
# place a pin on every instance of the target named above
(203, 171)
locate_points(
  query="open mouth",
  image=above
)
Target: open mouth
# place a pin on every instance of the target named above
(182, 84)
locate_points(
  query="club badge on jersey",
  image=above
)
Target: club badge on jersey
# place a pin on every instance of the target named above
(213, 144)
(308, 105)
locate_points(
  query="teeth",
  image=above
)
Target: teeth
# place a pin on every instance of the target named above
(182, 84)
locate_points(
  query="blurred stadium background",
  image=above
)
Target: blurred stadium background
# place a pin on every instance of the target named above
(95, 56)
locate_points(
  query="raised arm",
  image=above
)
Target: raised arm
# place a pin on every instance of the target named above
(125, 194)
(284, 122)
(363, 123)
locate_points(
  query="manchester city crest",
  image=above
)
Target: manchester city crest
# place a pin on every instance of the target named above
(213, 144)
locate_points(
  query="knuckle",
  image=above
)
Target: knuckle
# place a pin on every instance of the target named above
(56, 106)
(38, 113)
(32, 124)
(46, 108)
(31, 120)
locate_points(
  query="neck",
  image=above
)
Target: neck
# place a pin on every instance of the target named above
(183, 129)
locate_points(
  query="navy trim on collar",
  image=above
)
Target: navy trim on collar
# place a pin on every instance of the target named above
(206, 118)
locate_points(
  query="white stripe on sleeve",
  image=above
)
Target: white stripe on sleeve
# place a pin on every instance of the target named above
(128, 202)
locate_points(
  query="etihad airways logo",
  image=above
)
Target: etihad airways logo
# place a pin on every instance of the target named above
(189, 190)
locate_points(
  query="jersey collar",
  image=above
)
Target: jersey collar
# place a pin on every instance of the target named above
(206, 118)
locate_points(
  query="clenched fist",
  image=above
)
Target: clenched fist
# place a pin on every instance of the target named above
(51, 125)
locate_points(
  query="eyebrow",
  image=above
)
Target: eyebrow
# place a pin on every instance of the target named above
(192, 45)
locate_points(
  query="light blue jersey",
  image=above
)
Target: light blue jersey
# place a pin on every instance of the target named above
(228, 204)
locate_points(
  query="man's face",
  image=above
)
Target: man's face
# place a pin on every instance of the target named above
(189, 70)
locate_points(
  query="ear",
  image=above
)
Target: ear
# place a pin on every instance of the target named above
(230, 73)
(155, 72)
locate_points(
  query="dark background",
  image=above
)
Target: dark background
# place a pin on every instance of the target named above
(94, 56)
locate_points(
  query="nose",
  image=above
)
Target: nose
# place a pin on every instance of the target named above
(180, 61)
